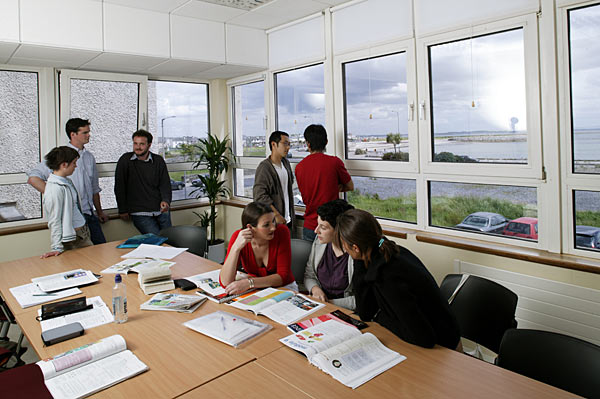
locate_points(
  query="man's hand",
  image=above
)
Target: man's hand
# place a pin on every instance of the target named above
(124, 216)
(164, 206)
(102, 217)
(51, 253)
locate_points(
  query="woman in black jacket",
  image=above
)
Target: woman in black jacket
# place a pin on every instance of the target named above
(392, 286)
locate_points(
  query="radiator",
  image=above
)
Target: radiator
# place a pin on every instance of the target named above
(545, 304)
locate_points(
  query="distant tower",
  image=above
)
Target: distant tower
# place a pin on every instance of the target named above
(513, 122)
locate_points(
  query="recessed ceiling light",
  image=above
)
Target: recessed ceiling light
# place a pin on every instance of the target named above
(241, 4)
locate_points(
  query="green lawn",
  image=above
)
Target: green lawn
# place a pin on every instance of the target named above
(587, 218)
(254, 152)
(400, 208)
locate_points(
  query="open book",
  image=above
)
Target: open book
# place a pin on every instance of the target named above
(88, 369)
(136, 265)
(284, 307)
(343, 352)
(173, 302)
(228, 328)
(155, 279)
(209, 286)
(60, 281)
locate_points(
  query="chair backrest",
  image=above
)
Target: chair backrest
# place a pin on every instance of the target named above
(484, 309)
(559, 360)
(300, 252)
(191, 237)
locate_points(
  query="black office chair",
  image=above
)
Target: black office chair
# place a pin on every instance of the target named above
(191, 237)
(300, 252)
(559, 360)
(484, 309)
(9, 349)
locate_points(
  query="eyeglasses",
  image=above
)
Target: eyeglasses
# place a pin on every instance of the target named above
(285, 143)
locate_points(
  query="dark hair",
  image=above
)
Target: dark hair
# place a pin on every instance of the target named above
(58, 155)
(253, 211)
(275, 137)
(360, 228)
(143, 133)
(316, 136)
(330, 211)
(73, 125)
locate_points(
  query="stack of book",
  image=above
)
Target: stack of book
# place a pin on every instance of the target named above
(155, 280)
(173, 303)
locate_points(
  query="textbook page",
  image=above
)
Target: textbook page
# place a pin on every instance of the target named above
(95, 376)
(30, 294)
(153, 252)
(256, 301)
(60, 281)
(357, 360)
(85, 354)
(291, 309)
(98, 315)
(320, 337)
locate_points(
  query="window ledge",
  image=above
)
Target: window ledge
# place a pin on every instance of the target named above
(514, 252)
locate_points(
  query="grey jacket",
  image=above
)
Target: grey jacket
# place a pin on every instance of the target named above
(311, 279)
(267, 188)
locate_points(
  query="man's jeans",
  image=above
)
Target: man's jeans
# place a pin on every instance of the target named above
(308, 234)
(96, 233)
(152, 224)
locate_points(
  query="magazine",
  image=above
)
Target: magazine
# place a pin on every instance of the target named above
(228, 328)
(173, 303)
(282, 306)
(88, 369)
(343, 352)
(60, 281)
(209, 286)
(337, 315)
(136, 265)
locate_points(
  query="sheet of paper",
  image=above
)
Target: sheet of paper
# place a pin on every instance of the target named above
(153, 252)
(136, 265)
(98, 315)
(69, 279)
(30, 295)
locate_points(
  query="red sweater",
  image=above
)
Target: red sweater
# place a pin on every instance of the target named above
(280, 256)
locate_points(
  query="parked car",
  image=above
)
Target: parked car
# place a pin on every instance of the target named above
(177, 185)
(485, 222)
(587, 237)
(524, 227)
(197, 182)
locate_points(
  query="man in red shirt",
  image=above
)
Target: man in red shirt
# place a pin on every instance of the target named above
(320, 178)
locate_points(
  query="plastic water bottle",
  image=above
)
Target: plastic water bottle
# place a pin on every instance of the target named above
(119, 300)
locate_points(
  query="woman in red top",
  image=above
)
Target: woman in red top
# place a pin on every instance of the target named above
(263, 249)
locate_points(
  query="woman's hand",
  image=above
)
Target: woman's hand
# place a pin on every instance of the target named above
(242, 239)
(238, 287)
(318, 294)
(51, 253)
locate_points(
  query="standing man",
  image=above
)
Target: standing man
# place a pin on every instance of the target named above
(274, 178)
(85, 177)
(143, 186)
(320, 178)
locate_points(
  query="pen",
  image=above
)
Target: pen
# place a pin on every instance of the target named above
(44, 295)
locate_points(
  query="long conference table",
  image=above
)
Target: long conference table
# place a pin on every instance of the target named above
(184, 363)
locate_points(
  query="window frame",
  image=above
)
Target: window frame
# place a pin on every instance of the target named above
(533, 168)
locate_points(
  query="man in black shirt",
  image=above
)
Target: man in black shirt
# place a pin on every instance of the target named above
(143, 186)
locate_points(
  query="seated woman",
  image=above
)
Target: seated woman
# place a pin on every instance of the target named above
(392, 287)
(328, 274)
(262, 248)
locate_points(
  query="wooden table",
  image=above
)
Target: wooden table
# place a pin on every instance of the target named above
(184, 362)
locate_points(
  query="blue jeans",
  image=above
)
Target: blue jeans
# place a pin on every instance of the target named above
(308, 234)
(96, 233)
(152, 224)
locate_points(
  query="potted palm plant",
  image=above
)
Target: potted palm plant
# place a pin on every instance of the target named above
(216, 156)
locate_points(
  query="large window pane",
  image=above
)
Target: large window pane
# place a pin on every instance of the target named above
(300, 96)
(587, 219)
(19, 202)
(186, 184)
(112, 108)
(244, 181)
(478, 102)
(19, 122)
(484, 208)
(178, 117)
(249, 119)
(376, 109)
(584, 40)
(386, 198)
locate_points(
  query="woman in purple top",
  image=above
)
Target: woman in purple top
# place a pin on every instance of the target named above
(328, 274)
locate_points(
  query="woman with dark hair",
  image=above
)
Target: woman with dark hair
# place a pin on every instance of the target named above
(262, 248)
(328, 274)
(393, 287)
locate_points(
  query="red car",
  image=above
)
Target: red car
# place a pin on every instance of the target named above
(524, 227)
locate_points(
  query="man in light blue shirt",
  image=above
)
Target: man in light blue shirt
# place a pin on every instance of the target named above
(85, 177)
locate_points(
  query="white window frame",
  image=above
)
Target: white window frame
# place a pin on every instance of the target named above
(533, 168)
(386, 168)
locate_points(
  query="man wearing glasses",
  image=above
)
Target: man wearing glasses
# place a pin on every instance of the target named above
(274, 179)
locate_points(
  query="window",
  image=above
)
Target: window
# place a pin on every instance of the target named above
(300, 101)
(587, 219)
(386, 198)
(178, 117)
(478, 99)
(510, 211)
(584, 41)
(376, 109)
(244, 182)
(249, 119)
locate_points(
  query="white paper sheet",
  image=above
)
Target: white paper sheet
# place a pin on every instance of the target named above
(69, 279)
(153, 252)
(30, 295)
(100, 314)
(136, 265)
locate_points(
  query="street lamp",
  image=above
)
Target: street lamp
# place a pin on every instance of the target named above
(162, 132)
(397, 118)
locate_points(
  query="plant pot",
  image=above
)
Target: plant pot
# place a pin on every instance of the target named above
(216, 251)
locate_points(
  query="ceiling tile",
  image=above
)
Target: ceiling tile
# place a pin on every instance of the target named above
(227, 71)
(122, 62)
(154, 5)
(52, 56)
(180, 68)
(293, 8)
(260, 21)
(212, 12)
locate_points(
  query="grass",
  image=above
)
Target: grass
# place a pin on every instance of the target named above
(254, 152)
(179, 174)
(587, 218)
(401, 208)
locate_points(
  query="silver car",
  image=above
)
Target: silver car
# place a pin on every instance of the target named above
(484, 222)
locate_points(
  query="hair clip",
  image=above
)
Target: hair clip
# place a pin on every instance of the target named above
(381, 242)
